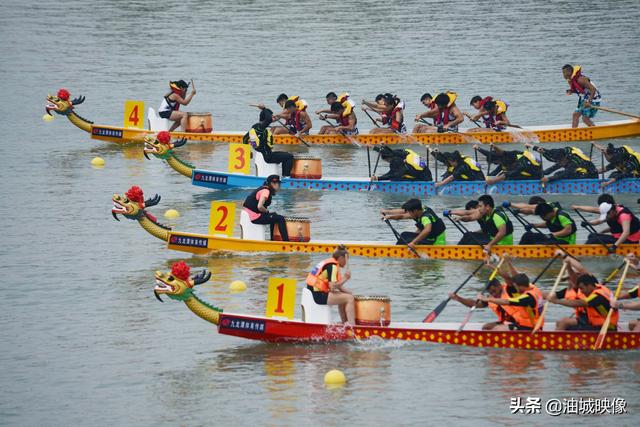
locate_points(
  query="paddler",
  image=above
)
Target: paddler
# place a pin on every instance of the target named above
(623, 161)
(391, 113)
(257, 206)
(573, 162)
(493, 113)
(524, 306)
(404, 165)
(446, 115)
(331, 98)
(588, 94)
(624, 225)
(346, 118)
(512, 165)
(529, 208)
(588, 296)
(427, 100)
(495, 289)
(326, 283)
(377, 107)
(261, 139)
(430, 228)
(297, 120)
(562, 228)
(459, 168)
(634, 325)
(495, 226)
(172, 102)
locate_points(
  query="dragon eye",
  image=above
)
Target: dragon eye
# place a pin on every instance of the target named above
(171, 279)
(126, 200)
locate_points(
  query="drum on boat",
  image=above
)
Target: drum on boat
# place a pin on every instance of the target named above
(199, 123)
(306, 167)
(298, 228)
(373, 310)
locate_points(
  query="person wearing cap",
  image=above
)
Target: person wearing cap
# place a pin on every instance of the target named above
(496, 289)
(404, 165)
(589, 298)
(512, 164)
(493, 113)
(172, 102)
(524, 305)
(634, 325)
(624, 226)
(427, 100)
(570, 162)
(261, 139)
(459, 168)
(445, 113)
(562, 228)
(430, 228)
(257, 203)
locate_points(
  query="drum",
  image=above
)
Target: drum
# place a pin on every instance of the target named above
(373, 310)
(298, 228)
(199, 123)
(306, 167)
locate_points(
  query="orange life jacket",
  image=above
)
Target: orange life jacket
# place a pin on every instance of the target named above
(313, 278)
(528, 316)
(503, 311)
(596, 318)
(576, 294)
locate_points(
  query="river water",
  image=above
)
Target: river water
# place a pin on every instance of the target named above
(83, 338)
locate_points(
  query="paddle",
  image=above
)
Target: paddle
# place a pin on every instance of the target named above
(585, 224)
(399, 237)
(350, 138)
(462, 229)
(375, 168)
(546, 304)
(610, 110)
(372, 119)
(436, 311)
(294, 134)
(473, 308)
(613, 273)
(605, 326)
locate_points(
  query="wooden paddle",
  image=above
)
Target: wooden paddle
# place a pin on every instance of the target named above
(349, 138)
(372, 119)
(375, 168)
(472, 309)
(610, 110)
(546, 304)
(399, 237)
(605, 326)
(284, 125)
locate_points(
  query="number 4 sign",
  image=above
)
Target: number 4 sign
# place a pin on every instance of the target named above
(222, 218)
(134, 114)
(281, 297)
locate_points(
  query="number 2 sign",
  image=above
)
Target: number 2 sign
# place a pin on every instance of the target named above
(222, 218)
(281, 297)
(134, 114)
(239, 158)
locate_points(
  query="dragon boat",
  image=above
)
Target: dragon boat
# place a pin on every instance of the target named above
(134, 208)
(316, 325)
(558, 133)
(218, 180)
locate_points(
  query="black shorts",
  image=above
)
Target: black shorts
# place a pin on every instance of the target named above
(165, 114)
(516, 327)
(584, 325)
(320, 298)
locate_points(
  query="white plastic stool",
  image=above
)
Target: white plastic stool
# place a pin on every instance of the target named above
(263, 168)
(157, 123)
(312, 312)
(249, 230)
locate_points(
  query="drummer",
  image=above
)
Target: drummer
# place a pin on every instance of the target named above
(404, 165)
(172, 102)
(257, 203)
(261, 139)
(496, 289)
(634, 325)
(430, 228)
(326, 283)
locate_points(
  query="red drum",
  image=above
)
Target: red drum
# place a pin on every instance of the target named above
(373, 310)
(199, 123)
(306, 167)
(298, 228)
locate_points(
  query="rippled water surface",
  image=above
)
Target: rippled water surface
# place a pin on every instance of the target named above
(83, 339)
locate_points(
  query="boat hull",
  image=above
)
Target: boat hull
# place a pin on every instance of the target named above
(275, 330)
(605, 130)
(202, 244)
(222, 180)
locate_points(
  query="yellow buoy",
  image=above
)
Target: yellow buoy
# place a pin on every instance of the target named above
(97, 161)
(47, 117)
(171, 213)
(334, 378)
(238, 286)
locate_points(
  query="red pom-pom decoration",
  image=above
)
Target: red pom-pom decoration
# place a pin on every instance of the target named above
(181, 271)
(135, 194)
(64, 94)
(164, 137)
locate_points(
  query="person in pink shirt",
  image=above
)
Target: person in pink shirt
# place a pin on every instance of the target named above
(257, 206)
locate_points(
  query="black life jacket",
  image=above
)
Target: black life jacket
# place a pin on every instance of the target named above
(251, 202)
(488, 226)
(437, 225)
(615, 226)
(554, 225)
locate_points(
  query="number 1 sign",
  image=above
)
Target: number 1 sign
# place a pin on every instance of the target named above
(281, 297)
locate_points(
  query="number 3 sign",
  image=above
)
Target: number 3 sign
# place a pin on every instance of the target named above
(222, 218)
(239, 158)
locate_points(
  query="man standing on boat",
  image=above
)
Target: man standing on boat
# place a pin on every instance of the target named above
(404, 165)
(172, 102)
(562, 229)
(326, 283)
(588, 94)
(495, 226)
(261, 139)
(573, 162)
(430, 228)
(257, 206)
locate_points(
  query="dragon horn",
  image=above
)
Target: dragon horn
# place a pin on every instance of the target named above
(152, 201)
(201, 277)
(157, 296)
(115, 216)
(180, 142)
(78, 100)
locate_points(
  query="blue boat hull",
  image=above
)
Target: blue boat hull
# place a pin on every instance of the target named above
(225, 181)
